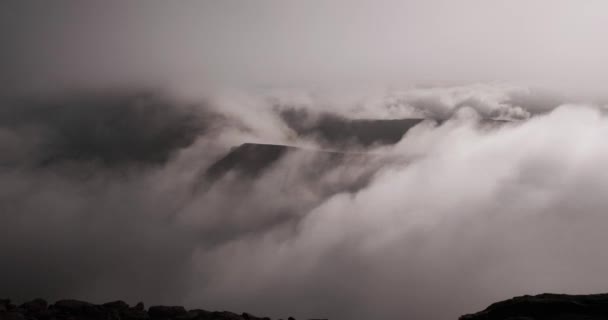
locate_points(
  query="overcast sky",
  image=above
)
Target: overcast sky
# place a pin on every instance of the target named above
(305, 43)
(107, 194)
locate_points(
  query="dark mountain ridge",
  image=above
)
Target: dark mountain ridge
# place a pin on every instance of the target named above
(251, 159)
(39, 309)
(546, 306)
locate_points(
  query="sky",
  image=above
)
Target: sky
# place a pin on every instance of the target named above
(305, 43)
(113, 112)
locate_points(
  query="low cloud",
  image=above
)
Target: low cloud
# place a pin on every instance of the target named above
(455, 215)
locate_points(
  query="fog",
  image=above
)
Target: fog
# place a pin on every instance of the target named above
(134, 158)
(338, 43)
(457, 213)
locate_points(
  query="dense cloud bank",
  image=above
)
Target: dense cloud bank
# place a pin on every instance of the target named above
(113, 128)
(101, 198)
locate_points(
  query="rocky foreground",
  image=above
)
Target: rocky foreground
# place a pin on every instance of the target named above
(541, 307)
(546, 307)
(39, 309)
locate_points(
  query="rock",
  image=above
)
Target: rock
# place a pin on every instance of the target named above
(39, 309)
(199, 314)
(134, 314)
(121, 310)
(35, 306)
(116, 305)
(12, 315)
(6, 305)
(72, 305)
(334, 130)
(139, 306)
(80, 310)
(225, 315)
(248, 316)
(546, 307)
(248, 160)
(166, 312)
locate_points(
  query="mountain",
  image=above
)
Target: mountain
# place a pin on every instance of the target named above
(251, 159)
(337, 132)
(39, 309)
(546, 307)
(334, 130)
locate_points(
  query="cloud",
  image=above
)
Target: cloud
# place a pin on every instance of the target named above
(457, 214)
(112, 128)
(479, 216)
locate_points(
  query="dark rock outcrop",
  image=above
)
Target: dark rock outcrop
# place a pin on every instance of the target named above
(249, 159)
(338, 132)
(39, 309)
(35, 306)
(546, 307)
(334, 131)
(167, 312)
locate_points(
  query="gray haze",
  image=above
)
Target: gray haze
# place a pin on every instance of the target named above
(101, 199)
(112, 112)
(304, 43)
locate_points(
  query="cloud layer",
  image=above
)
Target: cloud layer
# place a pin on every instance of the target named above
(99, 201)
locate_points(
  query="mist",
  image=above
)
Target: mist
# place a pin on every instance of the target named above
(318, 159)
(457, 213)
(320, 44)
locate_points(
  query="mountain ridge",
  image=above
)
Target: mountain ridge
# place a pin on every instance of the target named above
(546, 306)
(69, 309)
